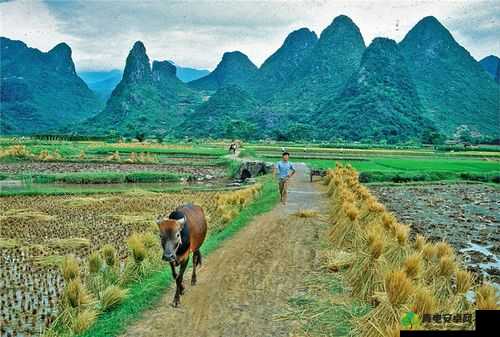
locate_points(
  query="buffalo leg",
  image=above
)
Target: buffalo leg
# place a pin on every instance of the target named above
(198, 262)
(180, 287)
(174, 273)
(195, 263)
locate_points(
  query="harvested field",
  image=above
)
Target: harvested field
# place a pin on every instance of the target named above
(465, 215)
(38, 231)
(62, 167)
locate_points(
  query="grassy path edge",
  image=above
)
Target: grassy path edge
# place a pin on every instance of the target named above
(145, 294)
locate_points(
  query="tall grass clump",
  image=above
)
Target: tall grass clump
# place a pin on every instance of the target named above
(70, 269)
(486, 298)
(109, 254)
(112, 296)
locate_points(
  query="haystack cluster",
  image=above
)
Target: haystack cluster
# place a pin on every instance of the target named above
(112, 238)
(15, 151)
(133, 157)
(141, 157)
(396, 274)
(229, 205)
(23, 152)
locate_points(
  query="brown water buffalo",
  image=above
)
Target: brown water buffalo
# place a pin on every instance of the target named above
(181, 233)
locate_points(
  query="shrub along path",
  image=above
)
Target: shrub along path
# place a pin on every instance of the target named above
(245, 285)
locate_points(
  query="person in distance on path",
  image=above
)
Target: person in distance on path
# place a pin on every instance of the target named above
(285, 171)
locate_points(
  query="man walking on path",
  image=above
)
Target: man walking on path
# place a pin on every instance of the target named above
(285, 171)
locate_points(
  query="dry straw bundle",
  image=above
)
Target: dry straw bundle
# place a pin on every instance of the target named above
(486, 298)
(385, 265)
(229, 205)
(70, 268)
(393, 304)
(112, 296)
(367, 271)
(77, 311)
(16, 151)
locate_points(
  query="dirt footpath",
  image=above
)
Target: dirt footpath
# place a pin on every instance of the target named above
(249, 279)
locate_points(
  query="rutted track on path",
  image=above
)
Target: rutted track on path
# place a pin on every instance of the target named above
(248, 279)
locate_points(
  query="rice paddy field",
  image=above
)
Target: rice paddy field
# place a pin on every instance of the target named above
(77, 218)
(33, 166)
(86, 200)
(39, 231)
(396, 267)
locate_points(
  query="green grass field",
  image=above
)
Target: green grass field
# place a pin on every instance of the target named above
(98, 177)
(411, 164)
(393, 164)
(72, 150)
(376, 163)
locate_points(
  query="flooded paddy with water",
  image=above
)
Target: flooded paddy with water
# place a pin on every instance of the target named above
(465, 215)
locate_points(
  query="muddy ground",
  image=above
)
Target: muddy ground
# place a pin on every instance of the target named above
(61, 167)
(465, 215)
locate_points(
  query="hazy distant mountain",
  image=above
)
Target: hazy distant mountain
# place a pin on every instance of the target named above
(41, 91)
(235, 68)
(379, 102)
(453, 87)
(492, 65)
(150, 100)
(102, 82)
(97, 76)
(187, 74)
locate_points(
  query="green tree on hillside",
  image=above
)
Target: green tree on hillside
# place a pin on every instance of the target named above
(239, 129)
(431, 136)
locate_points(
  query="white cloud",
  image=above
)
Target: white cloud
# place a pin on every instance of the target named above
(31, 22)
(197, 33)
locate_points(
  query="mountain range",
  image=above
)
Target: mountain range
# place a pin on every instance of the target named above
(454, 88)
(149, 99)
(331, 87)
(103, 82)
(41, 91)
(379, 98)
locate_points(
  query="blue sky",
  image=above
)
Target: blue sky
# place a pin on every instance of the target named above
(197, 33)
